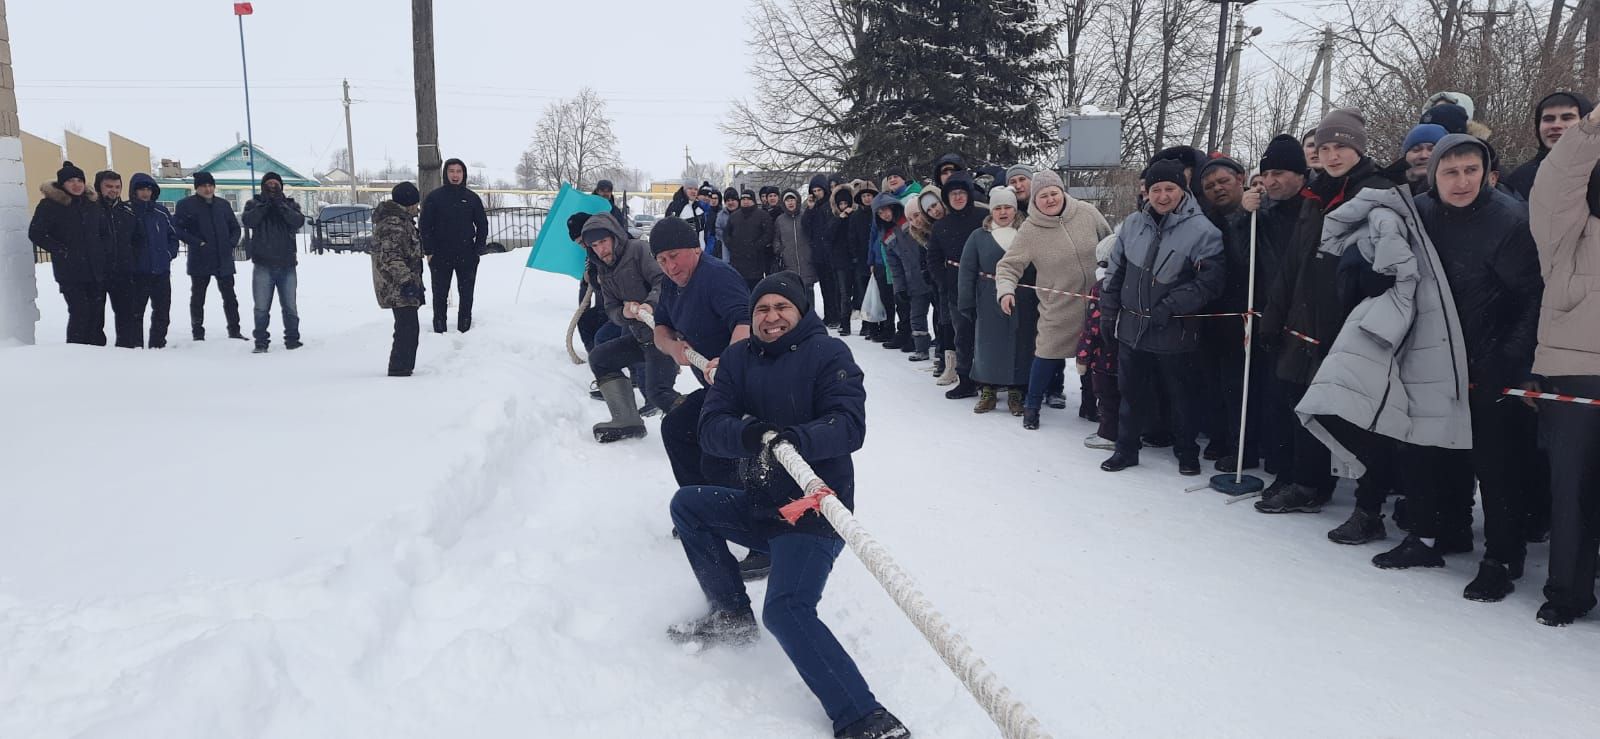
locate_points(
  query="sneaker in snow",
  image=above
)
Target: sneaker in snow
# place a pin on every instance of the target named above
(1493, 582)
(1412, 552)
(260, 349)
(1553, 614)
(1361, 528)
(1294, 499)
(728, 628)
(1093, 441)
(879, 724)
(1056, 401)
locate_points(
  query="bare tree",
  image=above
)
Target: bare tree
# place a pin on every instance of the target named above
(572, 142)
(799, 50)
(697, 172)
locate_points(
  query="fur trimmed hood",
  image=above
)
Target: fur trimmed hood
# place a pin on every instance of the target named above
(59, 196)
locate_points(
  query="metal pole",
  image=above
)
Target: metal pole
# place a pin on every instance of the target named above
(1327, 71)
(249, 132)
(1213, 113)
(349, 144)
(1233, 83)
(1249, 348)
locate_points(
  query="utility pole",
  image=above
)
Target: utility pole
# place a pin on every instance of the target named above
(1327, 70)
(349, 144)
(1233, 80)
(1213, 111)
(1486, 39)
(428, 161)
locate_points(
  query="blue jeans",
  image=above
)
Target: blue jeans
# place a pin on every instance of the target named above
(264, 281)
(1041, 378)
(707, 519)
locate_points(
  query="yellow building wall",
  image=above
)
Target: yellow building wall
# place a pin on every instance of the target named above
(88, 155)
(129, 157)
(40, 160)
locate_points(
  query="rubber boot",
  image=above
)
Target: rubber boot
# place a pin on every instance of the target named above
(625, 422)
(920, 343)
(948, 377)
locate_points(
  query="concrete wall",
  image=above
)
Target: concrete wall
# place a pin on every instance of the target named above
(18, 310)
(88, 155)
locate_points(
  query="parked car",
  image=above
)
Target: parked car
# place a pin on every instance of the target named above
(342, 228)
(643, 223)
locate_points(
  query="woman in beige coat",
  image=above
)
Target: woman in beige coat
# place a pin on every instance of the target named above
(1058, 240)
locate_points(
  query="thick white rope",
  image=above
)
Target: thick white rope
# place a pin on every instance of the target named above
(572, 326)
(1013, 718)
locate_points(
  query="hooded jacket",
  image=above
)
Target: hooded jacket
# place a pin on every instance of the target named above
(806, 383)
(453, 224)
(1398, 366)
(1567, 233)
(1492, 266)
(75, 232)
(818, 225)
(749, 241)
(1305, 297)
(950, 234)
(878, 245)
(1061, 249)
(273, 223)
(790, 245)
(632, 276)
(211, 231)
(396, 257)
(155, 225)
(938, 164)
(1162, 267)
(841, 251)
(1521, 179)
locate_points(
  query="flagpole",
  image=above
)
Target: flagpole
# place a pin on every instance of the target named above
(249, 132)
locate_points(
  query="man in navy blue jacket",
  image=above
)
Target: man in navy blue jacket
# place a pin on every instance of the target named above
(799, 383)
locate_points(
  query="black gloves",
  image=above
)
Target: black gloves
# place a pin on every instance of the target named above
(1160, 314)
(751, 439)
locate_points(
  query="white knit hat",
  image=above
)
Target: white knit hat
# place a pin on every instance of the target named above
(1002, 195)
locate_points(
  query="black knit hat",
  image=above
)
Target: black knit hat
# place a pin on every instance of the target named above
(1165, 170)
(672, 233)
(769, 190)
(405, 195)
(1225, 162)
(102, 176)
(1453, 117)
(272, 176)
(730, 194)
(68, 171)
(604, 185)
(575, 225)
(1284, 153)
(786, 283)
(842, 197)
(896, 171)
(747, 194)
(204, 178)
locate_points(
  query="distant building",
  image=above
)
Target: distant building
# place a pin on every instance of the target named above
(231, 168)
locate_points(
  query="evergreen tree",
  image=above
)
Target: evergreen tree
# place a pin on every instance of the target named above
(937, 76)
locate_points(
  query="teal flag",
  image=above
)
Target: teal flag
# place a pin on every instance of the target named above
(552, 250)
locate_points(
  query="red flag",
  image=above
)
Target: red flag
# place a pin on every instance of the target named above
(243, 9)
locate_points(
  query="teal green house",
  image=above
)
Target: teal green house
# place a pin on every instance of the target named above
(231, 168)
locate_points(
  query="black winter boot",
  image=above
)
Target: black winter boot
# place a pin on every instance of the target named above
(920, 344)
(1554, 614)
(440, 324)
(1493, 583)
(879, 724)
(464, 323)
(1030, 419)
(727, 628)
(1412, 552)
(1119, 462)
(966, 388)
(1294, 499)
(756, 565)
(1361, 528)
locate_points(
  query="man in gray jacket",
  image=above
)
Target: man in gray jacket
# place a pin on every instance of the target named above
(1167, 263)
(626, 273)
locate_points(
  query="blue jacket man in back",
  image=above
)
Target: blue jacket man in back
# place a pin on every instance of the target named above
(798, 383)
(152, 269)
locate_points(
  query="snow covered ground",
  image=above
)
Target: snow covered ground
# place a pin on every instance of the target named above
(200, 542)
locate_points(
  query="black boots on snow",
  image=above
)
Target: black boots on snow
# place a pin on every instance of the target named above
(1361, 528)
(625, 422)
(966, 388)
(727, 628)
(1412, 552)
(919, 347)
(1119, 462)
(440, 324)
(756, 565)
(879, 724)
(1493, 583)
(1293, 499)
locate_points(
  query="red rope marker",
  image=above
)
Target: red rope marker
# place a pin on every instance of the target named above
(812, 501)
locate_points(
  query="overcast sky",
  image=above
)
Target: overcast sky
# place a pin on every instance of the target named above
(168, 75)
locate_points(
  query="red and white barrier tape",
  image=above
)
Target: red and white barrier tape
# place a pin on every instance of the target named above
(1068, 293)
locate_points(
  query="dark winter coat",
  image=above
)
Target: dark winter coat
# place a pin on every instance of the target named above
(273, 223)
(1162, 267)
(961, 166)
(1492, 266)
(749, 242)
(211, 231)
(841, 249)
(1002, 344)
(1305, 297)
(882, 235)
(453, 224)
(858, 231)
(805, 383)
(1521, 179)
(127, 238)
(791, 248)
(632, 276)
(950, 233)
(155, 224)
(396, 257)
(818, 224)
(75, 232)
(905, 263)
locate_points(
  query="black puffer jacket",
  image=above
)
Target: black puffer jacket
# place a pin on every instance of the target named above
(750, 242)
(126, 236)
(1492, 266)
(75, 232)
(950, 234)
(273, 221)
(818, 224)
(453, 224)
(1305, 297)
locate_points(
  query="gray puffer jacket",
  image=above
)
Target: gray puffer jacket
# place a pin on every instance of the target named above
(1399, 365)
(632, 275)
(1158, 270)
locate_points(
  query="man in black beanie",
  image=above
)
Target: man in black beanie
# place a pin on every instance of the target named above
(797, 383)
(273, 219)
(126, 243)
(770, 201)
(397, 272)
(67, 224)
(749, 239)
(206, 224)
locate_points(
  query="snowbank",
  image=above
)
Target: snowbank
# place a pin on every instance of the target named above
(200, 542)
